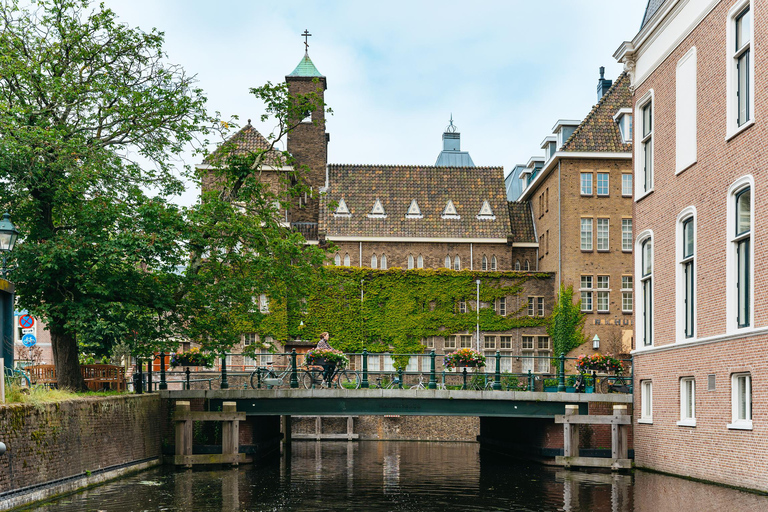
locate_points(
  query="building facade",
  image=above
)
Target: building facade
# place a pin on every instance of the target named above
(701, 322)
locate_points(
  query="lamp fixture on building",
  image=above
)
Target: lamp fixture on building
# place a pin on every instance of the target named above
(596, 342)
(8, 236)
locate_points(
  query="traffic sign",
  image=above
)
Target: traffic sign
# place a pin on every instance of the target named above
(31, 330)
(26, 321)
(28, 340)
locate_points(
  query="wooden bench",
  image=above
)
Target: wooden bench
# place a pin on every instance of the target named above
(44, 374)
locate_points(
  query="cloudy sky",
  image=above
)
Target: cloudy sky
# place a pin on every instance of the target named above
(396, 70)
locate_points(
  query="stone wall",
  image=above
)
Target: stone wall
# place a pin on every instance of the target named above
(72, 438)
(396, 428)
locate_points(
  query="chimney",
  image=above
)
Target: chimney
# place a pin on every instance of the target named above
(602, 84)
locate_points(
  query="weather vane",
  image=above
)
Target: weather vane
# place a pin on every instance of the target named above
(451, 127)
(306, 35)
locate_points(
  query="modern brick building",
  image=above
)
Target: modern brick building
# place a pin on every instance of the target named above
(702, 322)
(581, 197)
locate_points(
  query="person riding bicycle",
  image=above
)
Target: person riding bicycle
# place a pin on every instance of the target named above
(328, 367)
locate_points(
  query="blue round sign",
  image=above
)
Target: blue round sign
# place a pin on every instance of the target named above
(28, 340)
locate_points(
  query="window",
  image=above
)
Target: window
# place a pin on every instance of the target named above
(462, 306)
(420, 261)
(602, 234)
(384, 262)
(450, 342)
(646, 285)
(626, 235)
(346, 260)
(540, 306)
(485, 263)
(249, 338)
(586, 234)
(546, 244)
(506, 342)
(374, 261)
(741, 401)
(503, 306)
(646, 402)
(263, 303)
(602, 184)
(624, 119)
(517, 265)
(466, 341)
(531, 306)
(546, 199)
(740, 83)
(543, 343)
(410, 261)
(490, 342)
(494, 266)
(741, 241)
(626, 294)
(527, 266)
(644, 162)
(586, 293)
(687, 402)
(337, 260)
(603, 298)
(586, 183)
(448, 262)
(456, 263)
(687, 274)
(430, 342)
(626, 185)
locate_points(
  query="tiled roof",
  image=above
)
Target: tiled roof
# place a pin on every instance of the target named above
(650, 10)
(598, 132)
(432, 187)
(245, 141)
(521, 220)
(306, 68)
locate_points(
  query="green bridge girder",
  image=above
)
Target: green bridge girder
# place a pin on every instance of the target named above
(404, 402)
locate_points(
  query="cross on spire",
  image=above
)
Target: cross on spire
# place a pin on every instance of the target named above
(306, 35)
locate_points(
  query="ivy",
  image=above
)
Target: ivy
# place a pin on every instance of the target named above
(565, 329)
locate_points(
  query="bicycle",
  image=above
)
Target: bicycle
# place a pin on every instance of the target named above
(313, 378)
(384, 382)
(271, 377)
(615, 384)
(18, 377)
(420, 385)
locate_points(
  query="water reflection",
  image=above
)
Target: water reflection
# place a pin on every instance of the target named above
(401, 476)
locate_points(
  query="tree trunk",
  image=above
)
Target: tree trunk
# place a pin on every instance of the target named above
(67, 364)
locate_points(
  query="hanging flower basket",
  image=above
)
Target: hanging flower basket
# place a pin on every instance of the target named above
(320, 357)
(192, 357)
(601, 363)
(465, 357)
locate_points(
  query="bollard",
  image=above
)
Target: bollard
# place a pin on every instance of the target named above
(464, 373)
(531, 384)
(149, 374)
(140, 374)
(400, 377)
(432, 380)
(294, 373)
(497, 381)
(561, 374)
(163, 383)
(187, 372)
(224, 381)
(365, 384)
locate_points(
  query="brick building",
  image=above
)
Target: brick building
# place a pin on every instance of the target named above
(701, 330)
(580, 193)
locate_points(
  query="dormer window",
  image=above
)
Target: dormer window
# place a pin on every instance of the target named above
(341, 209)
(377, 212)
(624, 119)
(485, 212)
(414, 212)
(450, 211)
(549, 145)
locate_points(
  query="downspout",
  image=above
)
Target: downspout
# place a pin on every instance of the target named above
(471, 258)
(559, 230)
(361, 254)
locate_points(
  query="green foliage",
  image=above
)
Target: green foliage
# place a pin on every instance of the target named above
(565, 327)
(400, 307)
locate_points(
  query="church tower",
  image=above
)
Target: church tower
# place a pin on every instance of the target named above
(308, 143)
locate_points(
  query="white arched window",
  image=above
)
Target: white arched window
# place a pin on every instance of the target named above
(374, 261)
(420, 261)
(686, 275)
(410, 261)
(485, 263)
(517, 264)
(644, 269)
(456, 263)
(740, 256)
(384, 261)
(448, 262)
(346, 260)
(527, 265)
(337, 260)
(493, 263)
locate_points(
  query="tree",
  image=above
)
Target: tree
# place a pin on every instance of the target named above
(80, 94)
(566, 323)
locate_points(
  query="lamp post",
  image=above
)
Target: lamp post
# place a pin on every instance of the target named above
(8, 236)
(596, 342)
(477, 311)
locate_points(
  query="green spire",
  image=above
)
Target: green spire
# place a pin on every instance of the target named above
(306, 68)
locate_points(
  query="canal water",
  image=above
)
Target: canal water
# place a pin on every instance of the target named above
(400, 476)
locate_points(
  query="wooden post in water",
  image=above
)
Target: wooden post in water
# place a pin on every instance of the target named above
(571, 433)
(230, 434)
(183, 431)
(619, 448)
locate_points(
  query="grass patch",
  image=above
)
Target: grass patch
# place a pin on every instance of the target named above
(38, 395)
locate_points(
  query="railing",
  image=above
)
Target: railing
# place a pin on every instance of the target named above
(504, 371)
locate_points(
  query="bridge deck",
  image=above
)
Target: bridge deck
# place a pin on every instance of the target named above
(406, 402)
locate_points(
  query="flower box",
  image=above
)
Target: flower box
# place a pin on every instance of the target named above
(464, 358)
(192, 357)
(326, 357)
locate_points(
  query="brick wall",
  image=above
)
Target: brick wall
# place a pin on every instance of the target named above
(400, 428)
(67, 439)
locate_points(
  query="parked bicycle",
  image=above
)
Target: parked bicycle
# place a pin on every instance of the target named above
(615, 384)
(18, 377)
(386, 381)
(271, 376)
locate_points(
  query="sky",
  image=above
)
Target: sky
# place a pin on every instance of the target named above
(397, 70)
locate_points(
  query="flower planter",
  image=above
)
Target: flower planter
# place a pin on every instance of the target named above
(471, 364)
(570, 389)
(589, 389)
(550, 389)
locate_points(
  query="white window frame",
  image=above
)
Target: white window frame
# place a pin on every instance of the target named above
(626, 235)
(448, 262)
(604, 292)
(374, 261)
(452, 345)
(489, 342)
(688, 214)
(737, 421)
(627, 294)
(410, 261)
(337, 260)
(646, 402)
(603, 234)
(347, 261)
(732, 77)
(731, 308)
(420, 261)
(626, 184)
(456, 262)
(586, 292)
(494, 263)
(607, 177)
(587, 187)
(642, 142)
(383, 262)
(641, 291)
(502, 306)
(585, 239)
(687, 397)
(484, 263)
(540, 306)
(462, 306)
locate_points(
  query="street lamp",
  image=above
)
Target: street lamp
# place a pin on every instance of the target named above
(8, 236)
(477, 310)
(596, 342)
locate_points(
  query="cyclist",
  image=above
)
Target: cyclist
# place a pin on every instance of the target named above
(328, 367)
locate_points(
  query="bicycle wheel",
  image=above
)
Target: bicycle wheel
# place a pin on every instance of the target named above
(606, 383)
(258, 376)
(312, 379)
(347, 379)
